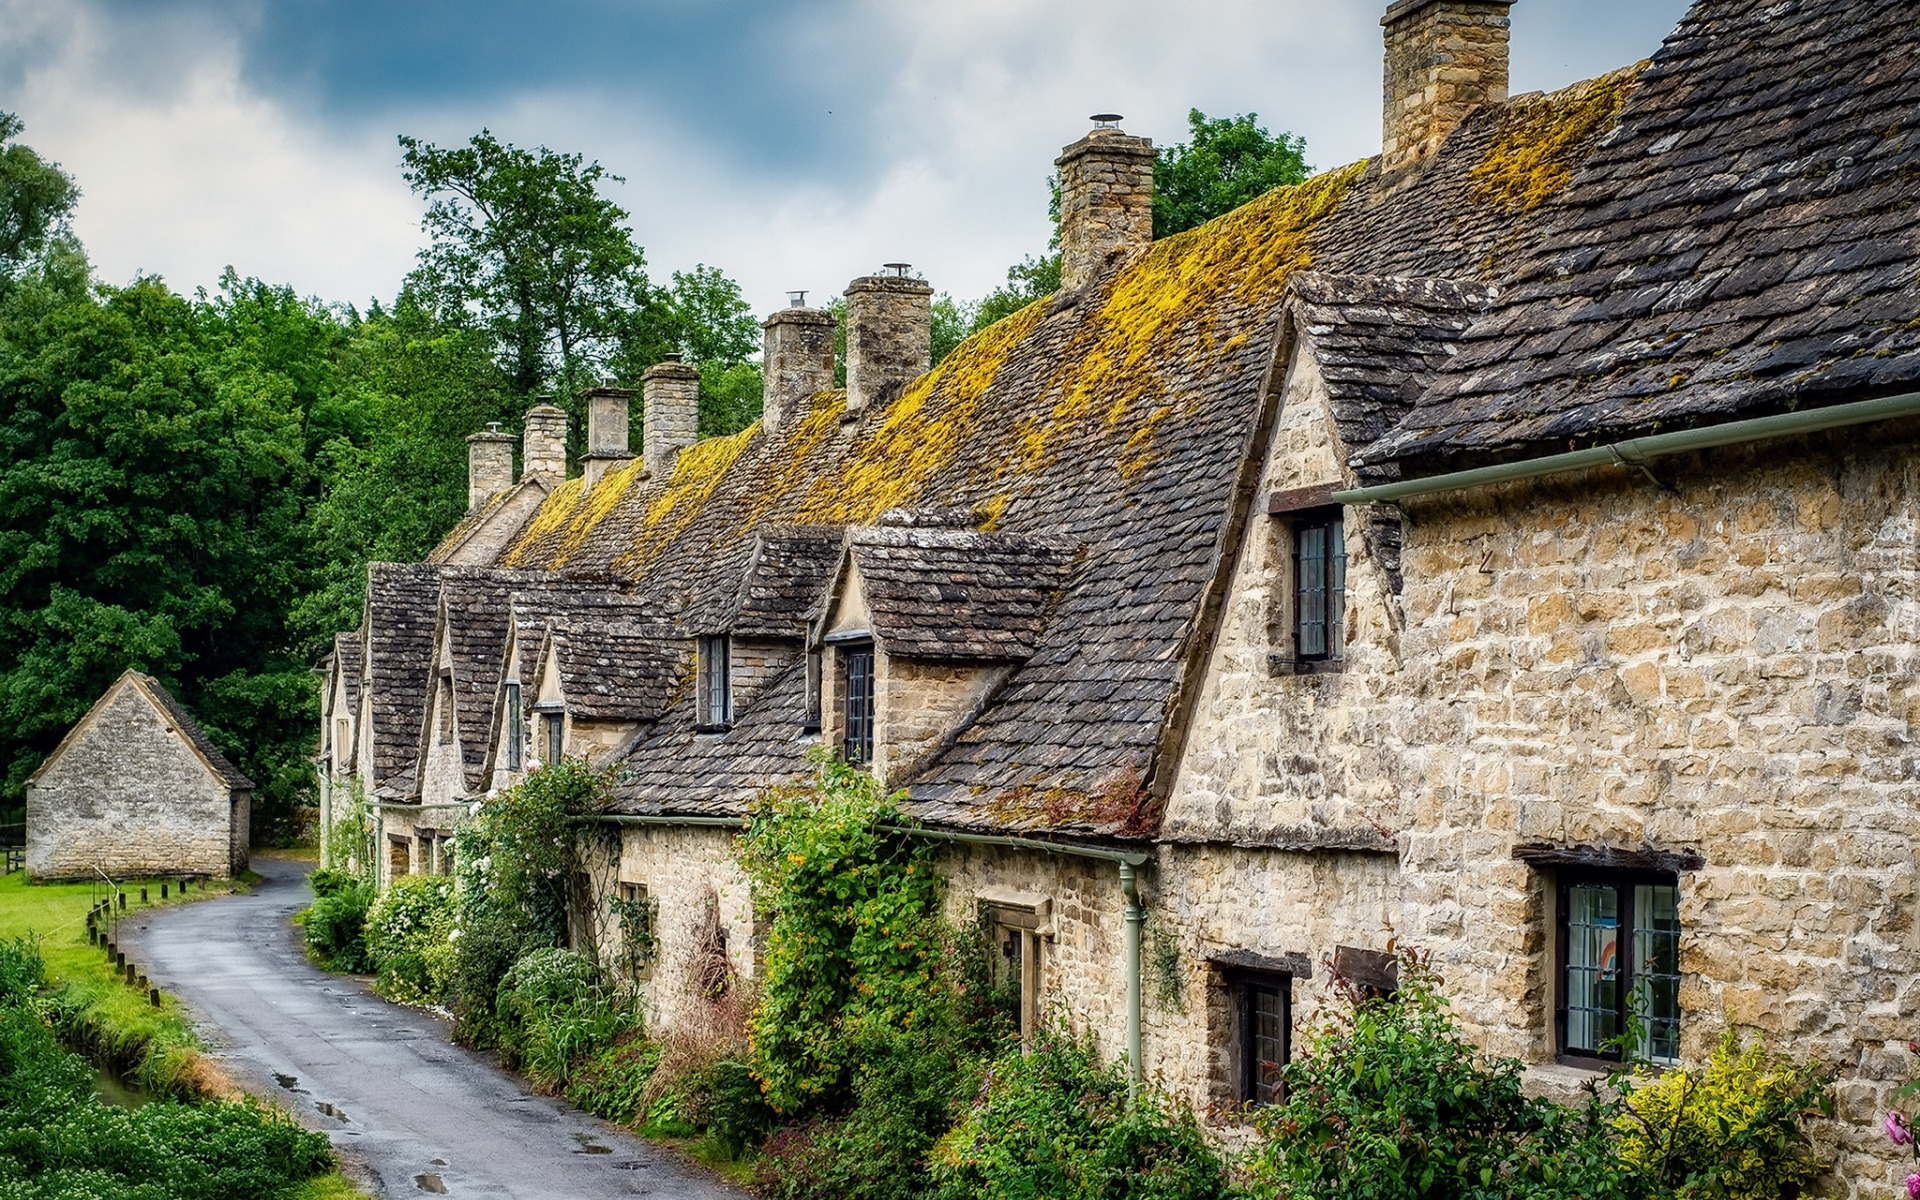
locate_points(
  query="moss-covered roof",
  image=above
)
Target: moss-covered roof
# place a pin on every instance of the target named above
(1119, 422)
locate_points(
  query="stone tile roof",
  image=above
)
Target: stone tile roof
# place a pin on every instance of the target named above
(348, 656)
(402, 608)
(1123, 419)
(957, 593)
(1378, 340)
(617, 672)
(190, 729)
(476, 604)
(478, 519)
(1744, 243)
(783, 579)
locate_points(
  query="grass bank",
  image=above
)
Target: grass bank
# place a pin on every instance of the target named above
(115, 1024)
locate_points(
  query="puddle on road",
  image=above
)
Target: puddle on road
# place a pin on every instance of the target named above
(288, 1082)
(630, 1165)
(438, 1162)
(430, 1182)
(331, 1111)
(589, 1146)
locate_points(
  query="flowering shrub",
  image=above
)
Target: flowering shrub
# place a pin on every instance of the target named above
(411, 938)
(335, 923)
(1731, 1130)
(1899, 1126)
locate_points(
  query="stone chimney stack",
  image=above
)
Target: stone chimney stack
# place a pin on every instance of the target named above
(1106, 199)
(489, 465)
(670, 412)
(799, 360)
(543, 444)
(1444, 59)
(607, 417)
(889, 334)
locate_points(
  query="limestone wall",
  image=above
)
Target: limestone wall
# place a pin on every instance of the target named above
(687, 871)
(919, 703)
(130, 797)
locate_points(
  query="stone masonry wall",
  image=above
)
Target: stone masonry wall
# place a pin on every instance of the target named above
(1106, 202)
(889, 336)
(920, 703)
(1726, 665)
(131, 797)
(1444, 58)
(686, 871)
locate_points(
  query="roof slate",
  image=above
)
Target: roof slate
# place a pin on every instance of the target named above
(1746, 242)
(785, 574)
(190, 728)
(402, 608)
(349, 657)
(477, 606)
(617, 673)
(957, 593)
(1122, 420)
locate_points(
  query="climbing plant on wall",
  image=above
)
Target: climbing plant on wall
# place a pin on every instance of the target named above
(853, 936)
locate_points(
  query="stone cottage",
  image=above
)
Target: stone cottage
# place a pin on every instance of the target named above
(136, 789)
(1504, 545)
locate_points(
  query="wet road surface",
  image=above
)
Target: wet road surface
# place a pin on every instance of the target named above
(412, 1113)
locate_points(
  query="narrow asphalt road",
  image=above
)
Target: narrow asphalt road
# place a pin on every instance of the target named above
(411, 1112)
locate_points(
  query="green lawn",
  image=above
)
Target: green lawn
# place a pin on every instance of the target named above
(156, 1046)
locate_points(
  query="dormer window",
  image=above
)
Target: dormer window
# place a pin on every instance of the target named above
(856, 686)
(516, 728)
(715, 668)
(1319, 586)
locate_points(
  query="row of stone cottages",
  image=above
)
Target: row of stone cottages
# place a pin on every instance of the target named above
(1506, 544)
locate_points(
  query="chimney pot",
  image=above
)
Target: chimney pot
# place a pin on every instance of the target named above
(489, 465)
(543, 445)
(1444, 58)
(889, 335)
(669, 413)
(797, 299)
(608, 410)
(1106, 200)
(798, 364)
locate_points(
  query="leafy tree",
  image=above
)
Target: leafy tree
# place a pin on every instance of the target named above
(35, 198)
(1027, 280)
(715, 329)
(1229, 161)
(524, 241)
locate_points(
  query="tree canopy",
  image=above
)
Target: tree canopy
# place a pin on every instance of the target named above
(1227, 162)
(35, 198)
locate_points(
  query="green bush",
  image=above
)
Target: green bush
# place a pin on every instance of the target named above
(1731, 1130)
(410, 936)
(853, 930)
(555, 1008)
(612, 1080)
(1052, 1122)
(335, 924)
(59, 1142)
(1387, 1100)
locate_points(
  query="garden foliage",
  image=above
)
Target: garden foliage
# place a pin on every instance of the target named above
(410, 938)
(335, 923)
(59, 1142)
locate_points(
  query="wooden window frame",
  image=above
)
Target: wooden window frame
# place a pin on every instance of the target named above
(1026, 927)
(1330, 607)
(1242, 985)
(858, 661)
(555, 732)
(1623, 882)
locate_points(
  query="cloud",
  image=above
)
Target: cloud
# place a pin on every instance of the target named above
(790, 144)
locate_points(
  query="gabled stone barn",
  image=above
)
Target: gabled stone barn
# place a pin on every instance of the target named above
(136, 789)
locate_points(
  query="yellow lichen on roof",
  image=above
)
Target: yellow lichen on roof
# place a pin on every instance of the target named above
(930, 423)
(1163, 303)
(697, 472)
(1543, 138)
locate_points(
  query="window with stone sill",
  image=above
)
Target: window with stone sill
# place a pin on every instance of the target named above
(714, 672)
(1617, 965)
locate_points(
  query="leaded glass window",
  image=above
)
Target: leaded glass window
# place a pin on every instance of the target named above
(1320, 586)
(857, 686)
(1620, 957)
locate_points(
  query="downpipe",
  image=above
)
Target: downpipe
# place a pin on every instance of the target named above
(1136, 919)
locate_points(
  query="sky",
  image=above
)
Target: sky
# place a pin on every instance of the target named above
(791, 143)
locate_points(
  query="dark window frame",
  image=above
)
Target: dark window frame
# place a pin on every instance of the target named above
(516, 728)
(715, 666)
(1252, 1084)
(556, 738)
(858, 670)
(1318, 589)
(1623, 883)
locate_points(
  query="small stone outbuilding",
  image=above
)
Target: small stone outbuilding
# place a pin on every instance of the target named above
(137, 789)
